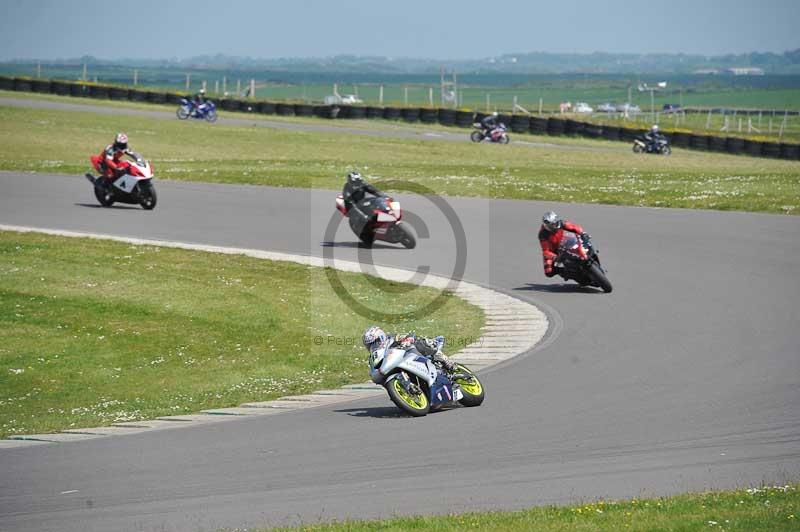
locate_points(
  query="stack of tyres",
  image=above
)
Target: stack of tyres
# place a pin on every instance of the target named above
(391, 113)
(410, 114)
(447, 117)
(374, 112)
(680, 139)
(734, 145)
(266, 108)
(41, 85)
(428, 115)
(538, 125)
(464, 118)
(753, 147)
(520, 123)
(555, 127)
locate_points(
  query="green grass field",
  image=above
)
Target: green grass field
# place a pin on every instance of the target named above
(569, 170)
(770, 508)
(95, 332)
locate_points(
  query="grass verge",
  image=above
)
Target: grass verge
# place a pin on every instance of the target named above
(573, 171)
(95, 332)
(771, 508)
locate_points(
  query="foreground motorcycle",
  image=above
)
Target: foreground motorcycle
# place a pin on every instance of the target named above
(660, 146)
(377, 218)
(580, 262)
(498, 134)
(204, 111)
(416, 384)
(134, 185)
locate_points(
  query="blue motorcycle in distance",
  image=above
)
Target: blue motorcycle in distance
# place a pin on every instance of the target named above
(205, 111)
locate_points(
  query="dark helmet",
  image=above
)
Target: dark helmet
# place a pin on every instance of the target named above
(551, 221)
(354, 178)
(121, 142)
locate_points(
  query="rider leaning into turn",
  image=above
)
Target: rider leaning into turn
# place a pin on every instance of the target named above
(652, 137)
(355, 189)
(112, 155)
(375, 338)
(550, 234)
(490, 122)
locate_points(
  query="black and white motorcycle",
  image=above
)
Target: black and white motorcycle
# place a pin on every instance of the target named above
(416, 383)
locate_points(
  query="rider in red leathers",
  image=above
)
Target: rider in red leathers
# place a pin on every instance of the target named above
(550, 234)
(110, 158)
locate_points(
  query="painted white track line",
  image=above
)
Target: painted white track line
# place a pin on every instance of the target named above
(512, 328)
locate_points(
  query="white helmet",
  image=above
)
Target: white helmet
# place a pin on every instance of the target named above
(551, 221)
(373, 338)
(654, 129)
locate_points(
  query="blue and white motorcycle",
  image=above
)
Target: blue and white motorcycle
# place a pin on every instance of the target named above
(204, 111)
(416, 384)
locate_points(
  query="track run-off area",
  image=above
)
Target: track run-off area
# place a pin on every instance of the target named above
(685, 378)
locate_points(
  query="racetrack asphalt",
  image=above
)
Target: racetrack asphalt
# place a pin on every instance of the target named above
(685, 378)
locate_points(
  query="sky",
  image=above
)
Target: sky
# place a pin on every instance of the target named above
(437, 29)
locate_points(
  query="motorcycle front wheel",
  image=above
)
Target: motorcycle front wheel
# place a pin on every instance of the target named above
(211, 116)
(147, 197)
(416, 405)
(406, 238)
(600, 278)
(476, 136)
(470, 385)
(666, 150)
(183, 113)
(505, 139)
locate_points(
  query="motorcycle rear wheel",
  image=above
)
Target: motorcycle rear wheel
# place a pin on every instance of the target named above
(472, 389)
(105, 198)
(415, 405)
(476, 136)
(600, 278)
(637, 148)
(182, 113)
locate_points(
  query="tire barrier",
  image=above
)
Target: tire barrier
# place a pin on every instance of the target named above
(538, 125)
(593, 131)
(520, 124)
(326, 111)
(266, 108)
(717, 144)
(374, 112)
(6, 83)
(790, 151)
(428, 115)
(59, 87)
(627, 134)
(157, 97)
(464, 118)
(137, 95)
(100, 92)
(391, 113)
(119, 93)
(770, 149)
(357, 112)
(175, 98)
(734, 145)
(410, 114)
(573, 127)
(611, 132)
(78, 89)
(680, 139)
(42, 86)
(698, 142)
(753, 147)
(304, 109)
(229, 104)
(479, 116)
(447, 117)
(284, 109)
(555, 126)
(22, 85)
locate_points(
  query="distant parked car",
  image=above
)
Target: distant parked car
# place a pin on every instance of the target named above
(606, 108)
(671, 108)
(582, 107)
(628, 108)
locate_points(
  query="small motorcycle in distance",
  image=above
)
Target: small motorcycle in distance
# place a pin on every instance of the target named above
(581, 263)
(377, 218)
(205, 111)
(416, 383)
(499, 134)
(660, 146)
(134, 185)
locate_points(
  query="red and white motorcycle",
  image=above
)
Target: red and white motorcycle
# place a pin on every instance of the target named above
(499, 134)
(377, 218)
(134, 185)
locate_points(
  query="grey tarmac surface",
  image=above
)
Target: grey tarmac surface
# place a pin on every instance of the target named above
(686, 377)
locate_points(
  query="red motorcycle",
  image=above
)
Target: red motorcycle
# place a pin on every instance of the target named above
(579, 259)
(377, 218)
(133, 184)
(498, 134)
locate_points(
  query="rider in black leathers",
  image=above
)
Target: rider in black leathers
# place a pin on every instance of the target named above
(489, 122)
(652, 137)
(356, 189)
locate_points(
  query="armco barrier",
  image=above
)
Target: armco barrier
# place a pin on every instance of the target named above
(447, 117)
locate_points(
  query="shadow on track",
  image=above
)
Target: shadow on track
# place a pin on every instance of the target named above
(560, 288)
(383, 412)
(98, 206)
(356, 245)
